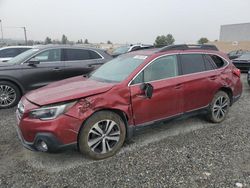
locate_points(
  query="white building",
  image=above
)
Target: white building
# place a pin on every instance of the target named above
(235, 32)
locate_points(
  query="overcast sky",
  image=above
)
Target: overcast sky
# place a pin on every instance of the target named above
(121, 21)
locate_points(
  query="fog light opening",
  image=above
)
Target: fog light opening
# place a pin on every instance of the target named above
(42, 146)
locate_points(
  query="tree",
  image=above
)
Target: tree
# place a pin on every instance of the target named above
(164, 40)
(47, 40)
(86, 41)
(56, 41)
(170, 39)
(109, 42)
(79, 41)
(64, 39)
(203, 40)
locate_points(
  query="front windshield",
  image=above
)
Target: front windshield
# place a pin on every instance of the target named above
(121, 50)
(23, 56)
(118, 69)
(245, 56)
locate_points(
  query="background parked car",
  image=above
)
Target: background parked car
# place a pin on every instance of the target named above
(7, 53)
(236, 54)
(248, 77)
(243, 62)
(129, 48)
(44, 64)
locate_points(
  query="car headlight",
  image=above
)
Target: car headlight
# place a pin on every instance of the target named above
(50, 112)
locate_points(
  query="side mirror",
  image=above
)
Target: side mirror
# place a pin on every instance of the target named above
(33, 61)
(148, 89)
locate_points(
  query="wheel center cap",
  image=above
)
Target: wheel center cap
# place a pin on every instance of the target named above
(3, 96)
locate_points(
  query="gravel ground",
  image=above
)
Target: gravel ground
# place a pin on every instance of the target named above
(181, 153)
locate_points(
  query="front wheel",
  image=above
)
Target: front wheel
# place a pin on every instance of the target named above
(102, 135)
(219, 107)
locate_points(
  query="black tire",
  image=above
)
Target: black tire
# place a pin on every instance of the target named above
(15, 95)
(90, 133)
(219, 107)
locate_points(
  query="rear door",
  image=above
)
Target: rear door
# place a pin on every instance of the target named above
(49, 69)
(199, 81)
(80, 61)
(166, 101)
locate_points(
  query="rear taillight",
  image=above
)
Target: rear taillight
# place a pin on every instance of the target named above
(236, 72)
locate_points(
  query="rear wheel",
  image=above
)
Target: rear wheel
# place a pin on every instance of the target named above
(219, 107)
(9, 94)
(102, 135)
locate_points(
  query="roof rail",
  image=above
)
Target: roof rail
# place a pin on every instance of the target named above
(189, 47)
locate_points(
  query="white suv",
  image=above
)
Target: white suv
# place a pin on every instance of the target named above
(7, 53)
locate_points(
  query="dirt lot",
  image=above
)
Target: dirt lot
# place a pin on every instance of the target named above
(183, 153)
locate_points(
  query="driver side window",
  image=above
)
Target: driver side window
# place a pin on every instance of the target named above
(49, 55)
(164, 67)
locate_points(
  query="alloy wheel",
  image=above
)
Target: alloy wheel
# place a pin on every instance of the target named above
(7, 95)
(103, 136)
(220, 107)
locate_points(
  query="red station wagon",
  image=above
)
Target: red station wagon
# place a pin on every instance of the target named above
(98, 113)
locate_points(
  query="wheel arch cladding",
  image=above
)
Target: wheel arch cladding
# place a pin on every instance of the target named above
(119, 112)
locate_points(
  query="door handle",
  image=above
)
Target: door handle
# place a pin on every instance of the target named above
(178, 86)
(94, 64)
(140, 96)
(213, 77)
(56, 69)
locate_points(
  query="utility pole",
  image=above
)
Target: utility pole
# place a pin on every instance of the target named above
(25, 35)
(1, 30)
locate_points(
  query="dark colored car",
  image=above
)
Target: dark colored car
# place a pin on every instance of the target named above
(96, 114)
(42, 65)
(243, 62)
(236, 54)
(248, 77)
(129, 48)
(9, 52)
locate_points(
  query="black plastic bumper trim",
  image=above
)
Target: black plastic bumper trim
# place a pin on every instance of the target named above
(53, 144)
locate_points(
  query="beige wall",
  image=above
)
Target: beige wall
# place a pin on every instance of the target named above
(229, 46)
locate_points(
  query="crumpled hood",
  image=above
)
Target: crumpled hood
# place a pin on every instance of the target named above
(69, 89)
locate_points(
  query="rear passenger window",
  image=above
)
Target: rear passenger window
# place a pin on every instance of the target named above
(218, 61)
(192, 63)
(77, 54)
(94, 55)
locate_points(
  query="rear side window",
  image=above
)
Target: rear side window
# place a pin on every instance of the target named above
(219, 62)
(192, 63)
(94, 55)
(76, 54)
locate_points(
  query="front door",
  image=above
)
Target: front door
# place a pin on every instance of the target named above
(167, 97)
(49, 69)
